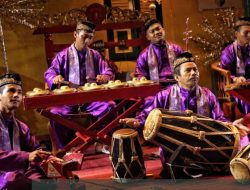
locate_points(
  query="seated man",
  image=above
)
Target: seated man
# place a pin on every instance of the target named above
(19, 150)
(78, 64)
(236, 57)
(155, 62)
(186, 94)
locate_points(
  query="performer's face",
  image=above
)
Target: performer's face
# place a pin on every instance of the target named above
(243, 35)
(83, 35)
(11, 97)
(155, 33)
(189, 75)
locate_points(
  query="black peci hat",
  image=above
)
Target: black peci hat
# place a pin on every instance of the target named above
(87, 23)
(242, 21)
(10, 78)
(183, 58)
(150, 22)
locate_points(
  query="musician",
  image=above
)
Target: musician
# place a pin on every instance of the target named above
(78, 64)
(236, 56)
(155, 61)
(19, 150)
(186, 94)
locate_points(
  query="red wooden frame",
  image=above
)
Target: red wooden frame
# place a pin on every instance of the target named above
(51, 47)
(84, 136)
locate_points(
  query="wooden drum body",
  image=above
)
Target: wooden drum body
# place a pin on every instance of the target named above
(192, 139)
(126, 156)
(240, 165)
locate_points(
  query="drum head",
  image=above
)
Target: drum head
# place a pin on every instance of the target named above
(152, 124)
(240, 170)
(240, 165)
(125, 133)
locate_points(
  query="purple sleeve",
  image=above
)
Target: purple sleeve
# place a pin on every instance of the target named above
(158, 102)
(104, 67)
(56, 68)
(215, 110)
(177, 49)
(28, 142)
(13, 160)
(228, 60)
(142, 65)
(16, 160)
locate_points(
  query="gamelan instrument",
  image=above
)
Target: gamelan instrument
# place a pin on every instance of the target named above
(131, 100)
(240, 165)
(59, 169)
(191, 140)
(239, 90)
(90, 93)
(126, 156)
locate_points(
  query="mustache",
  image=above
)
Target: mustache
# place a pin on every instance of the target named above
(195, 77)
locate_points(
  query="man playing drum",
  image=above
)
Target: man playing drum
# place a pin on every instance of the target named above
(236, 57)
(186, 95)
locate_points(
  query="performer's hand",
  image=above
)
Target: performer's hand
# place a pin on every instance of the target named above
(239, 79)
(243, 130)
(102, 79)
(53, 159)
(58, 79)
(38, 155)
(132, 122)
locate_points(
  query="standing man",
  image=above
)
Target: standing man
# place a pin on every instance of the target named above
(185, 95)
(18, 148)
(236, 57)
(78, 64)
(155, 62)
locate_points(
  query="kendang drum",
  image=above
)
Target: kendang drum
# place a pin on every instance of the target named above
(191, 141)
(126, 156)
(240, 165)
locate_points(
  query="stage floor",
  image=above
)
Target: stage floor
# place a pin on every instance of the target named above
(98, 166)
(96, 174)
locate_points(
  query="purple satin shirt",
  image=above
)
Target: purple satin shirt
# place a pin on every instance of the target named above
(14, 162)
(60, 66)
(164, 69)
(229, 60)
(187, 101)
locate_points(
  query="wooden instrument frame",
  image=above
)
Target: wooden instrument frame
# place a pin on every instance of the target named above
(87, 136)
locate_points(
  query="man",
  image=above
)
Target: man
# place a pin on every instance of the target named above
(155, 62)
(186, 94)
(77, 64)
(18, 148)
(236, 57)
